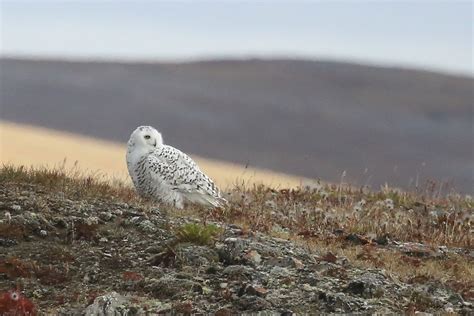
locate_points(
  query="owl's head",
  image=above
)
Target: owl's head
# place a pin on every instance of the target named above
(145, 137)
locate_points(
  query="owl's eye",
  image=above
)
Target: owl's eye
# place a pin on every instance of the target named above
(15, 296)
(147, 136)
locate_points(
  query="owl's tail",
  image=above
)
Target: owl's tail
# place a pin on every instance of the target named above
(208, 200)
(215, 201)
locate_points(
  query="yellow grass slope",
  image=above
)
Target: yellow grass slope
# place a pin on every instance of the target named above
(34, 146)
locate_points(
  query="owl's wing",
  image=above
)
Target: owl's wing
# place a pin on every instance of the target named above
(182, 174)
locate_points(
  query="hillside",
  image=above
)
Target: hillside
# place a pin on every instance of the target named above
(308, 118)
(75, 245)
(106, 159)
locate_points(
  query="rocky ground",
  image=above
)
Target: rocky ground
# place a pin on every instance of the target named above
(75, 254)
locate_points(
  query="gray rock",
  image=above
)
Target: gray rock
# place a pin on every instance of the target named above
(252, 303)
(253, 257)
(194, 255)
(147, 226)
(232, 251)
(7, 242)
(171, 286)
(280, 272)
(111, 304)
(368, 285)
(106, 216)
(238, 272)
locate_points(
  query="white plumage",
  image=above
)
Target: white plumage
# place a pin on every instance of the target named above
(164, 173)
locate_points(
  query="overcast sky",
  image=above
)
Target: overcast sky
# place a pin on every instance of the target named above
(434, 35)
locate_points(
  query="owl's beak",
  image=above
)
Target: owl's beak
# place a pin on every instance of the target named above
(154, 145)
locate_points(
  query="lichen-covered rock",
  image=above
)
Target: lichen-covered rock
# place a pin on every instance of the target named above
(111, 304)
(254, 303)
(171, 286)
(368, 285)
(147, 226)
(194, 255)
(239, 272)
(232, 250)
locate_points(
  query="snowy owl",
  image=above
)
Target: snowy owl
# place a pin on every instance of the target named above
(164, 173)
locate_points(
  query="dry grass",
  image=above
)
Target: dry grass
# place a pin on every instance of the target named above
(69, 181)
(310, 212)
(454, 270)
(307, 212)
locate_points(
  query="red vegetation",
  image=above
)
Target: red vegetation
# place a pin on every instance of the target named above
(14, 268)
(131, 276)
(13, 303)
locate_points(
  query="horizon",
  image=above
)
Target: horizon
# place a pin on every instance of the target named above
(379, 34)
(131, 61)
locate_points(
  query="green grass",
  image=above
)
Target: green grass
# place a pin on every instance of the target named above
(197, 233)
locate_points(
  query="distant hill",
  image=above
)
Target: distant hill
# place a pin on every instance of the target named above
(308, 118)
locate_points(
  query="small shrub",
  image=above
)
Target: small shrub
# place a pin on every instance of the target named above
(197, 234)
